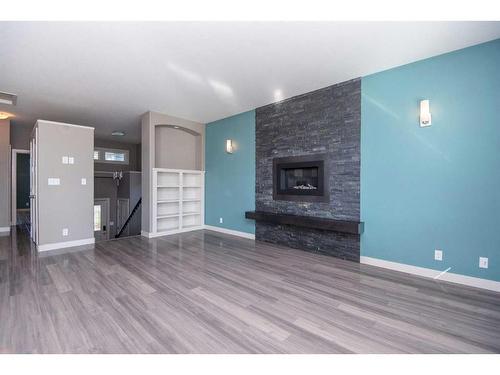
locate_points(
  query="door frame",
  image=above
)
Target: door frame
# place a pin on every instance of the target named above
(13, 178)
(107, 200)
(34, 219)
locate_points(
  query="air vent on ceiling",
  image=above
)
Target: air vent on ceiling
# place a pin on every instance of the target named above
(6, 98)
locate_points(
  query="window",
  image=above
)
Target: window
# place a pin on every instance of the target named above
(97, 217)
(110, 155)
(114, 156)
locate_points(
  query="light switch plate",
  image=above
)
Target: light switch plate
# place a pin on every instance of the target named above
(483, 262)
(54, 181)
(71, 160)
(438, 254)
(221, 220)
(65, 160)
(65, 232)
(84, 181)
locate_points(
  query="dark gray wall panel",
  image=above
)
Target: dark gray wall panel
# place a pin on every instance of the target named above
(324, 121)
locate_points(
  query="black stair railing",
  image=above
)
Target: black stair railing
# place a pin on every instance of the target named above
(129, 218)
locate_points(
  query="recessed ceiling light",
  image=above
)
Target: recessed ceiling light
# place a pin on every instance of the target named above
(118, 133)
(4, 115)
(176, 127)
(278, 95)
(6, 98)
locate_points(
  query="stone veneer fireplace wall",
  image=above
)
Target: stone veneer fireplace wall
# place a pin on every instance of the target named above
(326, 121)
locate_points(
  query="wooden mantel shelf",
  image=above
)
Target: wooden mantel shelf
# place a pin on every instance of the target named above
(344, 226)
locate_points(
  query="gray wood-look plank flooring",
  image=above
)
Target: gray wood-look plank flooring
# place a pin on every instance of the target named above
(206, 292)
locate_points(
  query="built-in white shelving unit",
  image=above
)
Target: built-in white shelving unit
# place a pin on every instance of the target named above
(178, 204)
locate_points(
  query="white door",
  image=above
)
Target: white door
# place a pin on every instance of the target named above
(101, 219)
(122, 212)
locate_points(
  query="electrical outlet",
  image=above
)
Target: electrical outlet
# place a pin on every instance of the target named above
(84, 181)
(438, 254)
(71, 160)
(65, 232)
(54, 181)
(221, 220)
(65, 160)
(483, 262)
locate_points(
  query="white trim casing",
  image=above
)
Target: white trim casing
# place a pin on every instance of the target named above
(13, 182)
(430, 273)
(179, 170)
(207, 227)
(108, 217)
(168, 233)
(4, 229)
(230, 231)
(146, 234)
(62, 245)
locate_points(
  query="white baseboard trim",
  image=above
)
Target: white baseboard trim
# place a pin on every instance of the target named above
(430, 273)
(4, 229)
(170, 232)
(230, 231)
(62, 245)
(208, 227)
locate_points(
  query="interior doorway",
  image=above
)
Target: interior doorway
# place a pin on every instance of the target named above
(20, 189)
(101, 219)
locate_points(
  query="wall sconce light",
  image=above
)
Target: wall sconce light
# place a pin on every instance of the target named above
(229, 146)
(425, 114)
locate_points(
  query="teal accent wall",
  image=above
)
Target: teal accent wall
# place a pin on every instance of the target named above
(437, 187)
(230, 178)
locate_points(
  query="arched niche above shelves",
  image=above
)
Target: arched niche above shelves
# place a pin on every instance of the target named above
(177, 147)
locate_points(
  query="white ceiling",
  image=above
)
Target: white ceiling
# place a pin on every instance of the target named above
(107, 74)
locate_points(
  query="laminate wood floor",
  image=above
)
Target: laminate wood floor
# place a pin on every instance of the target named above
(206, 292)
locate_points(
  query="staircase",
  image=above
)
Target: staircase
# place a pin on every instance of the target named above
(138, 204)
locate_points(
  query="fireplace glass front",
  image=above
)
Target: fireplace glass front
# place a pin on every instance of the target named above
(300, 178)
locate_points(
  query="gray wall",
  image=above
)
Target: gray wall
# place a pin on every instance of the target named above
(148, 160)
(130, 187)
(69, 205)
(324, 121)
(149, 122)
(4, 173)
(177, 149)
(20, 135)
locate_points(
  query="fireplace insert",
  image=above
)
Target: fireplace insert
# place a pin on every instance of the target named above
(300, 178)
